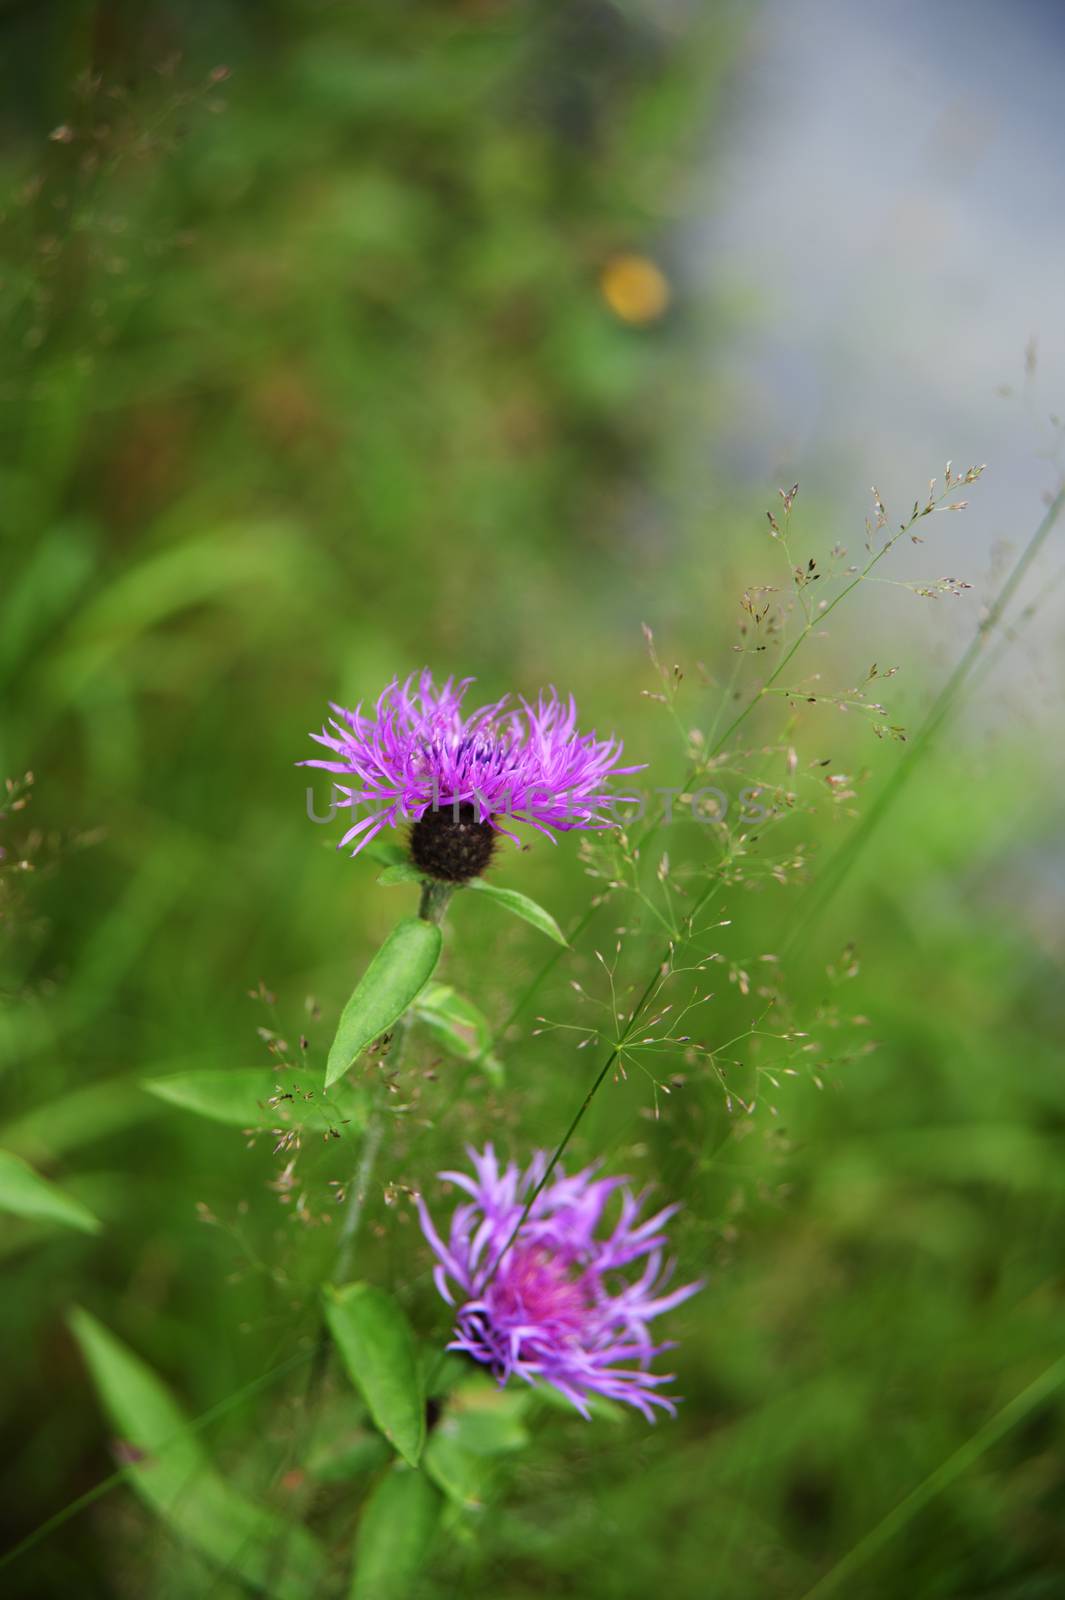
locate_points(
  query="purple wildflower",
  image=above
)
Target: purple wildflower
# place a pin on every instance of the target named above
(418, 754)
(556, 1307)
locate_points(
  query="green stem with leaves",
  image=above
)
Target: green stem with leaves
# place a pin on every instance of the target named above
(434, 903)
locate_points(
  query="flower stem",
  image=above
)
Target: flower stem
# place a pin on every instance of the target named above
(434, 902)
(360, 1183)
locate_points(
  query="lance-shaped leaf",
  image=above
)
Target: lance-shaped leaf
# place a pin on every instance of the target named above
(171, 1472)
(461, 1475)
(344, 1444)
(480, 1423)
(485, 1419)
(24, 1193)
(69, 1121)
(458, 1025)
(261, 1097)
(396, 1530)
(521, 906)
(402, 967)
(377, 1348)
(400, 872)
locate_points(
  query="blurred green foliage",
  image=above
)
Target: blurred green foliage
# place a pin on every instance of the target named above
(313, 375)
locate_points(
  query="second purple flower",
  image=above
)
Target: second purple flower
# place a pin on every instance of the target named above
(561, 1304)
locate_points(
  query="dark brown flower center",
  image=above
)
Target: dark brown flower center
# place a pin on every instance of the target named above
(452, 843)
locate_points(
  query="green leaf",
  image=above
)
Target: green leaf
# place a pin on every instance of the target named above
(174, 1476)
(69, 1121)
(480, 1423)
(260, 1097)
(344, 1443)
(402, 966)
(521, 906)
(485, 1419)
(24, 1193)
(458, 1025)
(341, 1459)
(396, 1531)
(377, 1348)
(104, 1194)
(460, 1473)
(227, 565)
(400, 872)
(441, 1370)
(387, 855)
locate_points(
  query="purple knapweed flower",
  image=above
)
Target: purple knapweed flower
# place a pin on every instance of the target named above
(418, 756)
(556, 1306)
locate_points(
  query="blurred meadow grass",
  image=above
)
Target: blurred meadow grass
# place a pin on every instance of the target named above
(346, 340)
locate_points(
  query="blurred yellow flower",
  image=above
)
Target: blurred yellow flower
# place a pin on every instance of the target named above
(634, 288)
